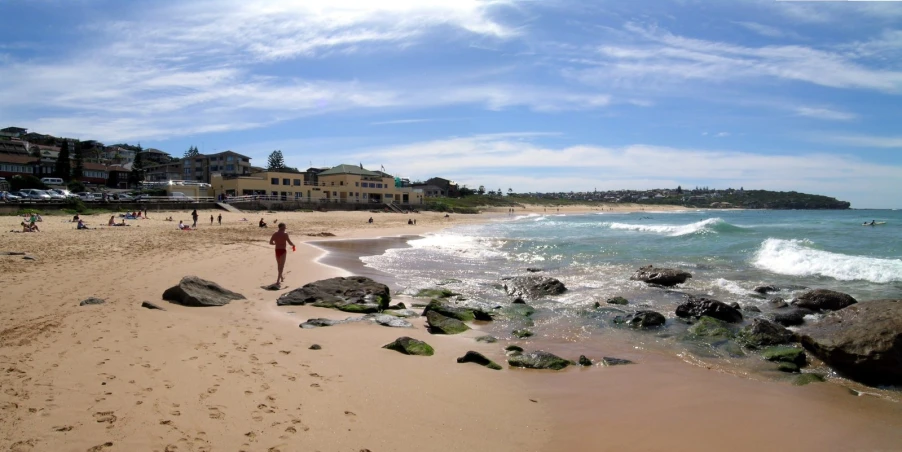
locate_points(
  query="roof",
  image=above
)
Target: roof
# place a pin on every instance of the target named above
(17, 158)
(14, 130)
(226, 152)
(349, 169)
(12, 147)
(154, 151)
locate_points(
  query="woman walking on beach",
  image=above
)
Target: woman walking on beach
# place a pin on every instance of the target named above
(279, 239)
(194, 216)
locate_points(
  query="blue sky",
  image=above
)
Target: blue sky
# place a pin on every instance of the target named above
(534, 95)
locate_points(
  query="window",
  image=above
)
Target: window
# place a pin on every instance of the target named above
(274, 181)
(187, 163)
(341, 182)
(230, 167)
(333, 183)
(356, 184)
(297, 183)
(187, 171)
(378, 185)
(286, 181)
(230, 159)
(388, 195)
(275, 193)
(334, 193)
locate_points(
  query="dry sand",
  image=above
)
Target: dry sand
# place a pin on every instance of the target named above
(242, 377)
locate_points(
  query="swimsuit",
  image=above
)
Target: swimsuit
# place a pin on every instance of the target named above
(281, 252)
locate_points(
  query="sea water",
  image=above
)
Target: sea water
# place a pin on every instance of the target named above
(728, 253)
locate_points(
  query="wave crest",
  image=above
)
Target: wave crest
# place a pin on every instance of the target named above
(699, 227)
(797, 258)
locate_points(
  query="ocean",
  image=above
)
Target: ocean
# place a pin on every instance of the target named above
(727, 252)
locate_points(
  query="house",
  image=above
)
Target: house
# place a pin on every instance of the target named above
(161, 172)
(15, 147)
(13, 132)
(18, 165)
(151, 155)
(438, 187)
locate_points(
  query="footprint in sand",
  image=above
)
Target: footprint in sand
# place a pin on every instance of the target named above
(284, 352)
(105, 416)
(63, 428)
(101, 447)
(215, 413)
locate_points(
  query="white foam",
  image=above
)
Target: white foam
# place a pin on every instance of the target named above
(668, 229)
(476, 247)
(730, 286)
(797, 258)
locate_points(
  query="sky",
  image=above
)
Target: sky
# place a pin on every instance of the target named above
(531, 95)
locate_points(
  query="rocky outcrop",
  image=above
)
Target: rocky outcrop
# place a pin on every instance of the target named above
(381, 319)
(388, 320)
(763, 333)
(617, 300)
(785, 354)
(661, 276)
(92, 301)
(538, 360)
(439, 324)
(711, 330)
(701, 306)
(357, 294)
(464, 314)
(487, 339)
(522, 333)
(194, 291)
(765, 289)
(435, 293)
(607, 361)
(583, 361)
(823, 300)
(646, 319)
(534, 287)
(410, 346)
(478, 358)
(794, 317)
(862, 341)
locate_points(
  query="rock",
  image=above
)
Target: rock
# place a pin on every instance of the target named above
(862, 341)
(519, 300)
(646, 319)
(534, 270)
(518, 310)
(778, 303)
(150, 305)
(661, 276)
(786, 355)
(607, 361)
(762, 333)
(583, 361)
(534, 286)
(487, 339)
(92, 301)
(194, 291)
(388, 320)
(464, 314)
(12, 253)
(765, 289)
(435, 293)
(751, 308)
(439, 324)
(788, 368)
(701, 306)
(513, 348)
(791, 318)
(356, 294)
(273, 286)
(735, 305)
(315, 347)
(396, 307)
(522, 333)
(823, 300)
(478, 358)
(410, 346)
(29, 258)
(711, 329)
(617, 300)
(805, 379)
(404, 313)
(448, 281)
(538, 360)
(316, 323)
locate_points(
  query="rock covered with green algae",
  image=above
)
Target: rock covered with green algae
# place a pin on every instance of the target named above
(805, 379)
(487, 339)
(478, 358)
(410, 346)
(439, 324)
(617, 300)
(357, 294)
(435, 293)
(786, 355)
(522, 333)
(762, 333)
(538, 360)
(462, 313)
(711, 329)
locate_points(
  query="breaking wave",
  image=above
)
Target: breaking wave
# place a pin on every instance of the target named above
(798, 258)
(715, 225)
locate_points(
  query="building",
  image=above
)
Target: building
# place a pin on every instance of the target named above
(15, 147)
(162, 172)
(154, 156)
(18, 165)
(13, 132)
(343, 183)
(439, 187)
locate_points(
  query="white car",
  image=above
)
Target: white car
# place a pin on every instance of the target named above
(65, 193)
(87, 196)
(54, 195)
(35, 194)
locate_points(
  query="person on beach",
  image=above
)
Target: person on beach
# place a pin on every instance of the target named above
(112, 221)
(370, 220)
(211, 220)
(183, 226)
(262, 223)
(279, 239)
(81, 225)
(194, 217)
(219, 218)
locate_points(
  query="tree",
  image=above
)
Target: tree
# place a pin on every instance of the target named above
(79, 170)
(481, 190)
(679, 189)
(192, 152)
(276, 161)
(464, 191)
(137, 173)
(63, 167)
(510, 191)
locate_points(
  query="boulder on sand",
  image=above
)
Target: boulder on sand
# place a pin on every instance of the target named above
(534, 286)
(862, 341)
(762, 333)
(410, 346)
(823, 300)
(661, 276)
(92, 300)
(701, 306)
(439, 324)
(464, 314)
(357, 294)
(538, 360)
(194, 291)
(478, 358)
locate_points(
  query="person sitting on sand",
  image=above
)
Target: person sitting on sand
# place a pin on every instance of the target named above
(410, 221)
(169, 219)
(81, 224)
(26, 227)
(262, 223)
(370, 220)
(183, 226)
(76, 218)
(112, 221)
(139, 215)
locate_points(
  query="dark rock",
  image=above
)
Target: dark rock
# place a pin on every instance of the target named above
(617, 300)
(608, 361)
(439, 324)
(194, 291)
(316, 323)
(356, 294)
(763, 333)
(522, 334)
(464, 314)
(791, 318)
(711, 329)
(701, 306)
(751, 308)
(823, 300)
(150, 305)
(29, 258)
(487, 339)
(397, 307)
(646, 319)
(538, 360)
(478, 358)
(12, 253)
(534, 286)
(534, 270)
(513, 348)
(805, 379)
(315, 347)
(788, 367)
(778, 303)
(583, 361)
(735, 305)
(519, 300)
(862, 341)
(273, 286)
(92, 301)
(765, 289)
(785, 355)
(661, 276)
(410, 346)
(518, 310)
(435, 293)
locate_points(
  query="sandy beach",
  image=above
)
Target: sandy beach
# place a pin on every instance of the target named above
(118, 377)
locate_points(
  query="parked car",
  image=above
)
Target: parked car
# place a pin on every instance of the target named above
(9, 197)
(54, 195)
(34, 194)
(124, 197)
(66, 193)
(179, 197)
(87, 196)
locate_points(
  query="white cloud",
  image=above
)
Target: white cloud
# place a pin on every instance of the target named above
(864, 141)
(825, 113)
(767, 30)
